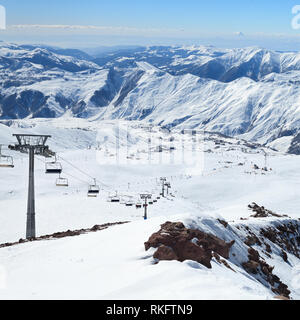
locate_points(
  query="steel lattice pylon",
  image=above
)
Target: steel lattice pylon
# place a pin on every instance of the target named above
(146, 197)
(32, 144)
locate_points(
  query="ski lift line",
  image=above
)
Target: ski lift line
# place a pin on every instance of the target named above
(72, 165)
(68, 174)
(85, 182)
(80, 170)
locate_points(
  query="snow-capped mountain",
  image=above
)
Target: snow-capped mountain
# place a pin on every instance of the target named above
(253, 93)
(208, 62)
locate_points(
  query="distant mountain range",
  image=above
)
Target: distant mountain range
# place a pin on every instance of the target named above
(252, 93)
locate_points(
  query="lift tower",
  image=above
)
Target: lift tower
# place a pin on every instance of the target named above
(32, 144)
(163, 181)
(266, 160)
(146, 197)
(168, 186)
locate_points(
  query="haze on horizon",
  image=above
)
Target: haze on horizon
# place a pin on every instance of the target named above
(78, 24)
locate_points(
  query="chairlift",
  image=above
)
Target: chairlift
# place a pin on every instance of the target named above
(53, 167)
(129, 203)
(123, 201)
(94, 190)
(139, 205)
(62, 182)
(115, 198)
(6, 162)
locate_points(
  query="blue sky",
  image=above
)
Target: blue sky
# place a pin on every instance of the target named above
(151, 21)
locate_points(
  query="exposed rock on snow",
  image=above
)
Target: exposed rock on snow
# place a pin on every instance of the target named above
(65, 234)
(256, 265)
(253, 245)
(175, 242)
(261, 212)
(286, 236)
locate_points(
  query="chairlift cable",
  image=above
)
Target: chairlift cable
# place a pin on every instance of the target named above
(80, 170)
(68, 174)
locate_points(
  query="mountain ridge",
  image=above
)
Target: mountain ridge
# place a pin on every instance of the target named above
(255, 93)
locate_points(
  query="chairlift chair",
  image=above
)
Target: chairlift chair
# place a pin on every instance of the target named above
(129, 203)
(123, 201)
(115, 198)
(53, 167)
(6, 162)
(94, 190)
(62, 182)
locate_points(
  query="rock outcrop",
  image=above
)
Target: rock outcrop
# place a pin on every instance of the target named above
(262, 212)
(254, 244)
(176, 242)
(63, 234)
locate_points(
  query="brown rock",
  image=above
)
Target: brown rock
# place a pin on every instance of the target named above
(282, 298)
(252, 240)
(284, 256)
(268, 248)
(251, 266)
(223, 222)
(253, 255)
(186, 244)
(262, 212)
(165, 253)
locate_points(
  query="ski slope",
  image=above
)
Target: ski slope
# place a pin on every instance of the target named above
(113, 264)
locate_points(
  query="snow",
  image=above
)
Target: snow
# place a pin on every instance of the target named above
(113, 264)
(101, 130)
(106, 266)
(282, 144)
(256, 98)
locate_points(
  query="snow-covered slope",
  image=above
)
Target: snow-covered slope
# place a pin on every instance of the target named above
(257, 110)
(113, 264)
(15, 57)
(209, 62)
(256, 95)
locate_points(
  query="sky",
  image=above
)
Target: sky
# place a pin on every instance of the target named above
(91, 23)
